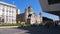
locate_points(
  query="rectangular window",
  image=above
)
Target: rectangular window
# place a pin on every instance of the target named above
(53, 1)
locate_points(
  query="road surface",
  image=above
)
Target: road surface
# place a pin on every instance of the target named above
(12, 31)
(31, 30)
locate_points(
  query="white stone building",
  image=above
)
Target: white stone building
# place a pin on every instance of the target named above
(18, 11)
(29, 17)
(7, 13)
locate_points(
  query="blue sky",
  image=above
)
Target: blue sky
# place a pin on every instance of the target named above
(22, 4)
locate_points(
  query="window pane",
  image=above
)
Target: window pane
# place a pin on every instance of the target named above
(53, 1)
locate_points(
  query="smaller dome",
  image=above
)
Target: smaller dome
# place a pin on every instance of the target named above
(30, 9)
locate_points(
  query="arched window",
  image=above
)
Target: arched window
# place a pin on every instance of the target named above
(29, 15)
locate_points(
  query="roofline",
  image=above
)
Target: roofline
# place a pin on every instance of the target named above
(7, 4)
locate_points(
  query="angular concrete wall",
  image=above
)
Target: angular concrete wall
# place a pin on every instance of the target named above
(52, 7)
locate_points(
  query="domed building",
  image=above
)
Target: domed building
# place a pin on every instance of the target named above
(29, 17)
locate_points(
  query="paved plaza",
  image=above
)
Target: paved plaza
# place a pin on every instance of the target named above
(31, 30)
(12, 31)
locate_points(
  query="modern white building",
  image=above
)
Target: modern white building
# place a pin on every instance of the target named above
(7, 13)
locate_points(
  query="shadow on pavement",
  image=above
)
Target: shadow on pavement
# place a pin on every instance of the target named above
(42, 29)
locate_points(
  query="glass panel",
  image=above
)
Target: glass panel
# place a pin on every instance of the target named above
(53, 1)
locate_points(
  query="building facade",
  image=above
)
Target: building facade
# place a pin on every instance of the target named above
(7, 13)
(51, 6)
(29, 17)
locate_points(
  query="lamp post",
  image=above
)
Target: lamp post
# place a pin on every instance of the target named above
(59, 21)
(59, 18)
